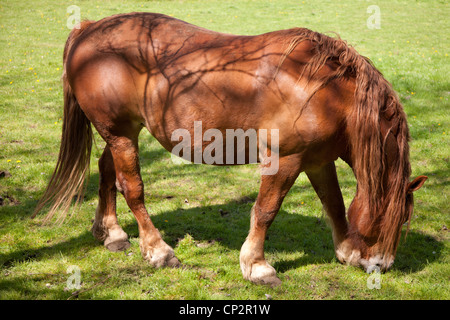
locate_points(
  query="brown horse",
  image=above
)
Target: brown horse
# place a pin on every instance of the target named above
(137, 70)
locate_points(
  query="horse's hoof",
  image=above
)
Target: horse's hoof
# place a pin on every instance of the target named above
(260, 273)
(160, 256)
(117, 246)
(173, 263)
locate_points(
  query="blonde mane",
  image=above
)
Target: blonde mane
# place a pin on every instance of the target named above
(374, 99)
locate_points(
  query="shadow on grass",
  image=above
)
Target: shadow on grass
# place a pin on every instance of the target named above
(228, 224)
(56, 289)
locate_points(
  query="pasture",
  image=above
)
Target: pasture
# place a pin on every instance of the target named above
(203, 211)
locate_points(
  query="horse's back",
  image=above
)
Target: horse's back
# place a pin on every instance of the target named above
(155, 70)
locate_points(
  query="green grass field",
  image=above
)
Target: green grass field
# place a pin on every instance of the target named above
(203, 211)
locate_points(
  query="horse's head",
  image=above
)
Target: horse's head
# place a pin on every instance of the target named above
(384, 198)
(374, 237)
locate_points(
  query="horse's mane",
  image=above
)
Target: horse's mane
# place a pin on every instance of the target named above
(374, 98)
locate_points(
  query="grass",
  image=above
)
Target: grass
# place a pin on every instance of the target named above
(203, 211)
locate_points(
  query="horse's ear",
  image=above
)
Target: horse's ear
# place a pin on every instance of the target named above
(416, 184)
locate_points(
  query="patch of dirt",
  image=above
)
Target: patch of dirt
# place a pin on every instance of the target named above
(4, 174)
(8, 200)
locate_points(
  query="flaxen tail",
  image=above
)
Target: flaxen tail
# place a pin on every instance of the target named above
(72, 167)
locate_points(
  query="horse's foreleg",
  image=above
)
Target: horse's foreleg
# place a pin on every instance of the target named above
(124, 151)
(105, 226)
(272, 191)
(326, 185)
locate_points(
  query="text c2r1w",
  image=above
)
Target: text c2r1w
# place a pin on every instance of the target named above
(228, 309)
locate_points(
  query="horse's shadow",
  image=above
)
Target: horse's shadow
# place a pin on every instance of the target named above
(229, 223)
(289, 233)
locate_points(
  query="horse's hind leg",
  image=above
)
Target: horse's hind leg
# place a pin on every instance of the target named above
(272, 191)
(111, 103)
(105, 226)
(124, 150)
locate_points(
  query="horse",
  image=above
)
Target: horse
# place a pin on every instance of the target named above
(325, 100)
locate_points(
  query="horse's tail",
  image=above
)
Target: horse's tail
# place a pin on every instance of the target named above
(72, 167)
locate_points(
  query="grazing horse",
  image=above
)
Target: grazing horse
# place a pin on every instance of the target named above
(326, 101)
